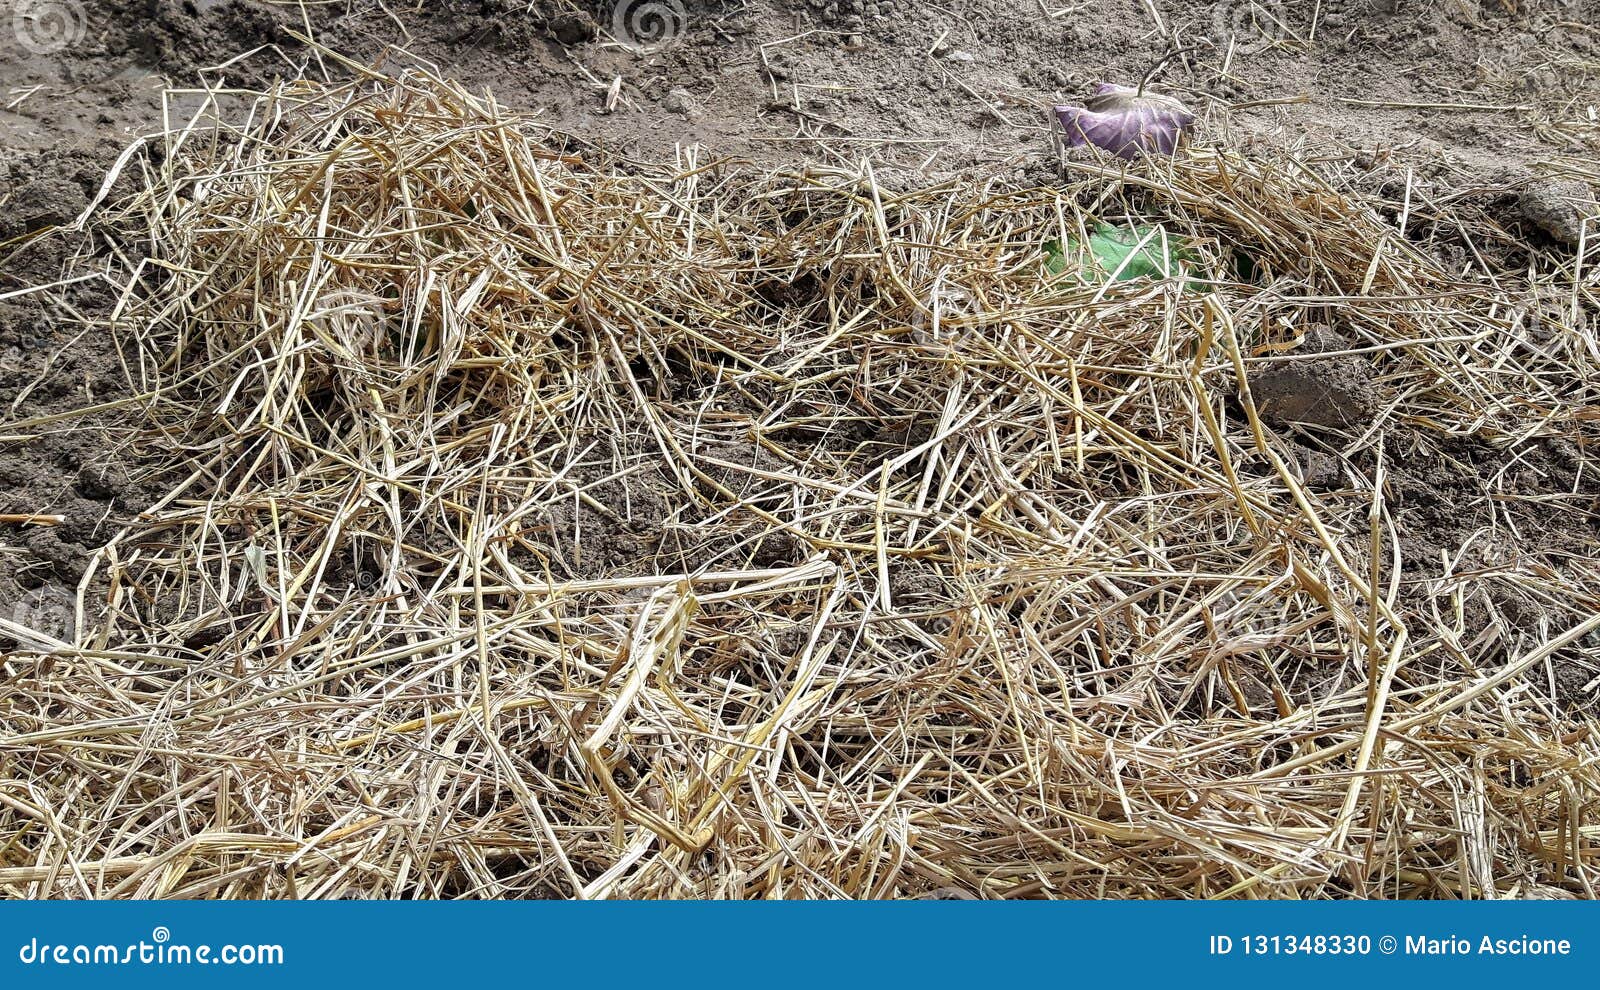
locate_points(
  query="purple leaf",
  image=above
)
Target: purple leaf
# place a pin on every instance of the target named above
(1126, 122)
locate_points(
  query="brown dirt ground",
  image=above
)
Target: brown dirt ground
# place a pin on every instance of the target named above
(1404, 101)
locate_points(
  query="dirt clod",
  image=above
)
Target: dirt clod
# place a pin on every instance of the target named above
(102, 481)
(1335, 391)
(48, 201)
(1560, 209)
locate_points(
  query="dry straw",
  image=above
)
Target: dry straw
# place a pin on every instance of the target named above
(551, 525)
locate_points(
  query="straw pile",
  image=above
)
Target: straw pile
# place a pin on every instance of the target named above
(551, 525)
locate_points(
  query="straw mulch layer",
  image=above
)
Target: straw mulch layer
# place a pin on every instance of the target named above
(548, 525)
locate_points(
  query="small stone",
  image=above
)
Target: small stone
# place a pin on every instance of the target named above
(681, 101)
